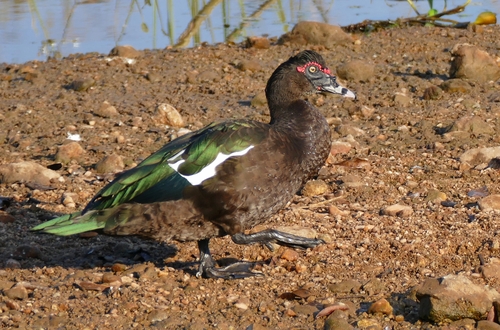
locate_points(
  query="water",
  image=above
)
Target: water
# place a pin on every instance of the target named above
(31, 29)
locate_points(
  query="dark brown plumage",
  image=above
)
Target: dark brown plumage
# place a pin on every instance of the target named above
(225, 178)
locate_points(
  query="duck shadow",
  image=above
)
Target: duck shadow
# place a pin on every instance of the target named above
(25, 249)
(22, 248)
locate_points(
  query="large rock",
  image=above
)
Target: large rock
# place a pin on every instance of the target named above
(454, 297)
(68, 152)
(478, 156)
(315, 33)
(472, 63)
(27, 172)
(489, 203)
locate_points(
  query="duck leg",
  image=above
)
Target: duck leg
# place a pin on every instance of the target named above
(269, 236)
(233, 271)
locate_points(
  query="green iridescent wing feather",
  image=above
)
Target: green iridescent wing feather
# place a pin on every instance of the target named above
(153, 180)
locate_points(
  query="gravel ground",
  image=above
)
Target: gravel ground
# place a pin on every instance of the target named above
(392, 150)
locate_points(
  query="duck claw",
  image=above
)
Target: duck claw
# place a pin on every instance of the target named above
(269, 236)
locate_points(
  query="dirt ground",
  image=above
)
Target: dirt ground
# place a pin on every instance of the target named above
(101, 282)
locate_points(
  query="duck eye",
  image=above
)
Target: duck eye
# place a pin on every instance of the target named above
(313, 69)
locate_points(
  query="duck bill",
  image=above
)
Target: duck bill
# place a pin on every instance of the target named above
(331, 85)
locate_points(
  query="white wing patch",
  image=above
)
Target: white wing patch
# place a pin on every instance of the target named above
(209, 170)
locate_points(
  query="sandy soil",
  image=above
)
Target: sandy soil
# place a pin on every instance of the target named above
(150, 284)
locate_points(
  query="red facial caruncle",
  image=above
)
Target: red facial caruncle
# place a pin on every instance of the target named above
(305, 66)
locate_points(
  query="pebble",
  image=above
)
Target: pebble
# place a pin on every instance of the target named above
(356, 70)
(305, 309)
(435, 196)
(208, 76)
(18, 292)
(340, 147)
(125, 51)
(259, 100)
(345, 130)
(371, 324)
(489, 203)
(316, 33)
(402, 211)
(472, 124)
(68, 152)
(487, 325)
(290, 255)
(106, 110)
(27, 172)
(158, 315)
(166, 114)
(432, 93)
(381, 306)
(81, 85)
(315, 188)
(258, 42)
(455, 86)
(402, 99)
(27, 251)
(346, 286)
(249, 65)
(352, 181)
(6, 217)
(333, 323)
(153, 77)
(12, 264)
(472, 63)
(110, 164)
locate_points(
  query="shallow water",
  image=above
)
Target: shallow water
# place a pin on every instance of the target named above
(37, 29)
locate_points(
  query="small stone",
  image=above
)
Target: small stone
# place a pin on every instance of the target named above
(106, 110)
(346, 286)
(333, 210)
(315, 188)
(455, 86)
(17, 292)
(381, 306)
(68, 152)
(12, 264)
(208, 76)
(435, 196)
(402, 99)
(110, 164)
(335, 323)
(241, 305)
(356, 70)
(166, 114)
(290, 255)
(249, 65)
(491, 270)
(81, 85)
(371, 324)
(27, 251)
(352, 181)
(117, 267)
(487, 325)
(432, 93)
(27, 172)
(258, 42)
(399, 210)
(158, 315)
(125, 51)
(340, 147)
(110, 278)
(259, 100)
(305, 309)
(153, 77)
(489, 203)
(345, 130)
(316, 33)
(6, 217)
